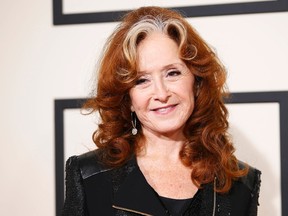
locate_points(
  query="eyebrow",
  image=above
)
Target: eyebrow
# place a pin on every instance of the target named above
(163, 68)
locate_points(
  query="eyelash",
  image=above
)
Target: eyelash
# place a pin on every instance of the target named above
(174, 73)
(141, 81)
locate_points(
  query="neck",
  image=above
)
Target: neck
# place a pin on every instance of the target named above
(162, 146)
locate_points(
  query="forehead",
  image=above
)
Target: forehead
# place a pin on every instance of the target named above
(156, 51)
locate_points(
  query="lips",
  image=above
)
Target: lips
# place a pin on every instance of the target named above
(165, 109)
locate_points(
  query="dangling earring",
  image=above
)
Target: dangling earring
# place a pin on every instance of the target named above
(133, 121)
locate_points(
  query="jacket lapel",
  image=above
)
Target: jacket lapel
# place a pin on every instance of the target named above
(135, 195)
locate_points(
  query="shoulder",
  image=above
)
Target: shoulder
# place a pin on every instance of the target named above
(90, 164)
(252, 179)
(77, 168)
(244, 193)
(86, 164)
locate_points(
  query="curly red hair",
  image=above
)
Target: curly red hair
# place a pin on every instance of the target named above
(208, 151)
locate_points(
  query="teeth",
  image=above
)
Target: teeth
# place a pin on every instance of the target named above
(163, 109)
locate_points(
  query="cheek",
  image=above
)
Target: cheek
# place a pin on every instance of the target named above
(135, 97)
(187, 93)
(186, 89)
(137, 104)
(132, 98)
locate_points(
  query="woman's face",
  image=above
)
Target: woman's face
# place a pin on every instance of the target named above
(163, 96)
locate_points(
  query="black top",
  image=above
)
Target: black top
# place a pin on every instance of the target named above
(179, 206)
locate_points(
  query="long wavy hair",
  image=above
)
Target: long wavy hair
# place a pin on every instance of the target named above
(208, 150)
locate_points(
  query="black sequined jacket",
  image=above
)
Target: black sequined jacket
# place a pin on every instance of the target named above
(93, 190)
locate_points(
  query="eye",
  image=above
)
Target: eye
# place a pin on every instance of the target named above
(141, 81)
(174, 73)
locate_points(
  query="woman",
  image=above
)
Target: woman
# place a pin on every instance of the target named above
(163, 147)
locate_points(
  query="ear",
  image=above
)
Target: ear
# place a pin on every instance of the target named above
(132, 108)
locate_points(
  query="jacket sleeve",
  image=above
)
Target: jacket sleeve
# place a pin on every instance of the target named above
(75, 204)
(255, 190)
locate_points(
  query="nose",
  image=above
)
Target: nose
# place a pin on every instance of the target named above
(161, 91)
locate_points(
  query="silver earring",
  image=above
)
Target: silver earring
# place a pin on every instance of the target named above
(133, 121)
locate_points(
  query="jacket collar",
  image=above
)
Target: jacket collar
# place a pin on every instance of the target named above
(136, 195)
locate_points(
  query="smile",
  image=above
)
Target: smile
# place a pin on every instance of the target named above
(164, 110)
